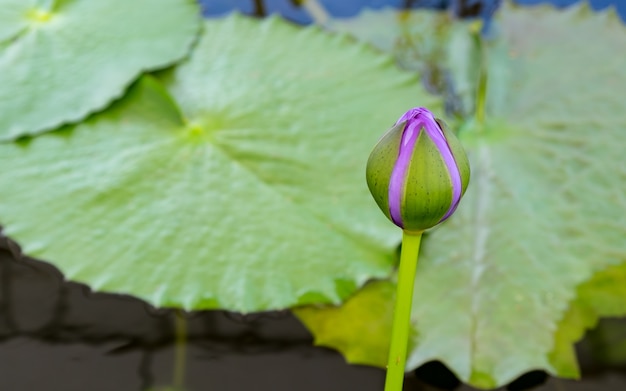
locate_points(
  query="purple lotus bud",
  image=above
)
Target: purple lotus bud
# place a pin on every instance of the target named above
(418, 171)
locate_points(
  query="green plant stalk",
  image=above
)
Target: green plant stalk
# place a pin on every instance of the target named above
(402, 311)
(481, 96)
(317, 11)
(481, 89)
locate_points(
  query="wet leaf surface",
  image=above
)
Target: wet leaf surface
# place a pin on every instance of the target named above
(238, 185)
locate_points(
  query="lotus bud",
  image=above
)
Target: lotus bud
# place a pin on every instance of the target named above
(418, 171)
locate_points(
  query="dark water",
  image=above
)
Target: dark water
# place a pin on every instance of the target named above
(57, 336)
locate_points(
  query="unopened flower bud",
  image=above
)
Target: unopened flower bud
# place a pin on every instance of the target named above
(418, 171)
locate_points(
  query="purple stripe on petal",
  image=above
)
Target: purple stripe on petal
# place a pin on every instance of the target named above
(412, 114)
(439, 139)
(397, 183)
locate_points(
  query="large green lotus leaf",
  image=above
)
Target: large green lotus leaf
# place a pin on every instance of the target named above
(252, 198)
(61, 60)
(511, 281)
(302, 115)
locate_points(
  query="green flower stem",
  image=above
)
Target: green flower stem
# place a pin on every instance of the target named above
(402, 311)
